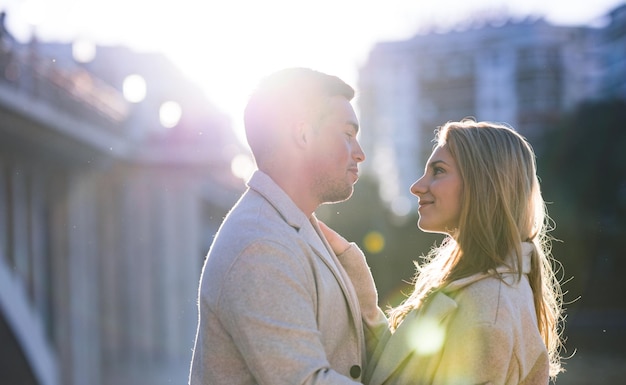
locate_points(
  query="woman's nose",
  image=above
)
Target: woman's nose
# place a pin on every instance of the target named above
(419, 187)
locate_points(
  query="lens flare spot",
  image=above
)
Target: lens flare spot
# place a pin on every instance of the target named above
(401, 206)
(169, 114)
(134, 88)
(374, 242)
(242, 166)
(426, 336)
(83, 51)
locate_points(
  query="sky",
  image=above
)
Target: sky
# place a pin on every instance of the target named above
(227, 46)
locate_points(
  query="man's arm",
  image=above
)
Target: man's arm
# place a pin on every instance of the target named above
(268, 306)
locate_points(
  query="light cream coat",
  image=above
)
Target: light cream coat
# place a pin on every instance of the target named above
(477, 330)
(275, 305)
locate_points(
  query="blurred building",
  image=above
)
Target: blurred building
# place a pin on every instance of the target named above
(524, 73)
(611, 49)
(111, 189)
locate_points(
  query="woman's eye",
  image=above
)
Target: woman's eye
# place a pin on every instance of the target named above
(437, 170)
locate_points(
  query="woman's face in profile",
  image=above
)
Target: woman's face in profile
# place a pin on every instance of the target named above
(439, 192)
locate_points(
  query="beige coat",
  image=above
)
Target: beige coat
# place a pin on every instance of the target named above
(477, 330)
(276, 307)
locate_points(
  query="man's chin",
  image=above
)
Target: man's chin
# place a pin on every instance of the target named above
(340, 196)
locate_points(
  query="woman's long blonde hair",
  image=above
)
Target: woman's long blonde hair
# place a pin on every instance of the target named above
(501, 207)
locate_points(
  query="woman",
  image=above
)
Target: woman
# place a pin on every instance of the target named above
(486, 307)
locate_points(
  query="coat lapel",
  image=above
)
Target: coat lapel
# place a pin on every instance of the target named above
(310, 231)
(321, 247)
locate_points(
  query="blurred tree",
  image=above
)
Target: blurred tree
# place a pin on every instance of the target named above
(582, 163)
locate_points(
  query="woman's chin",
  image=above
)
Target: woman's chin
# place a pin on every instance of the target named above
(429, 228)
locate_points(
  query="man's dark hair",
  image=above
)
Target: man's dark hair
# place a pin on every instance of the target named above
(285, 94)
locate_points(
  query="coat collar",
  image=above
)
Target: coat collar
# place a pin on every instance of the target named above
(505, 270)
(291, 214)
(430, 319)
(278, 198)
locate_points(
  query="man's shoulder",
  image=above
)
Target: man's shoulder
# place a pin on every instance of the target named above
(253, 222)
(248, 231)
(251, 218)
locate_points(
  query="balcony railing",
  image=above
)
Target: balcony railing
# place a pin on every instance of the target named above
(75, 90)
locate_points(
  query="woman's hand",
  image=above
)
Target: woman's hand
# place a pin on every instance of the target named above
(338, 243)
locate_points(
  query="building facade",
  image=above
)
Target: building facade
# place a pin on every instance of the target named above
(106, 216)
(611, 48)
(523, 73)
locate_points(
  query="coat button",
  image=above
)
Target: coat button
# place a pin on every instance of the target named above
(355, 371)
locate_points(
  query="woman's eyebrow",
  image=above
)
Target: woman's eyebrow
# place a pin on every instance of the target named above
(436, 162)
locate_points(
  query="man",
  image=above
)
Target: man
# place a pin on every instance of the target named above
(276, 307)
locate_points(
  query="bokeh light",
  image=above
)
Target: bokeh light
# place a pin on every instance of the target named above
(134, 88)
(83, 51)
(242, 166)
(426, 336)
(170, 114)
(401, 206)
(374, 242)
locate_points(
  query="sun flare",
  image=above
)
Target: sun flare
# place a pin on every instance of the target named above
(228, 46)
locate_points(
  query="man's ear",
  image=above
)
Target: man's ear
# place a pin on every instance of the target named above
(301, 132)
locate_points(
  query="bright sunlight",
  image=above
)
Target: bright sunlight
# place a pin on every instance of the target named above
(227, 46)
